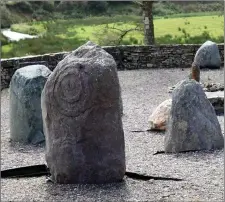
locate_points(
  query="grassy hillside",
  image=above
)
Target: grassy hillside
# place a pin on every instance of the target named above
(22, 11)
(66, 35)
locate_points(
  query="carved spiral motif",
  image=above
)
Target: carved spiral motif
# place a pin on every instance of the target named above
(67, 91)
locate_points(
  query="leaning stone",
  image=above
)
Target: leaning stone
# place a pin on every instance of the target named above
(208, 56)
(82, 119)
(26, 86)
(158, 118)
(193, 124)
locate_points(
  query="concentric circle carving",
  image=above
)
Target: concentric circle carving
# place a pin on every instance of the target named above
(67, 92)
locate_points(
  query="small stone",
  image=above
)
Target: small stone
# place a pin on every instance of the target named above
(208, 56)
(193, 124)
(25, 103)
(158, 118)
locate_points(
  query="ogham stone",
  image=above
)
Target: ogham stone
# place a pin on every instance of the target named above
(26, 86)
(192, 124)
(82, 119)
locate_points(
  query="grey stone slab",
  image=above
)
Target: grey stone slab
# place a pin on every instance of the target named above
(25, 103)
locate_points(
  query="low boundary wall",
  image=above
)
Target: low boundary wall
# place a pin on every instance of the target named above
(126, 57)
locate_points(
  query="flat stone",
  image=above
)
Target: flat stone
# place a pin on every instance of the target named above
(192, 124)
(81, 107)
(217, 100)
(212, 87)
(25, 104)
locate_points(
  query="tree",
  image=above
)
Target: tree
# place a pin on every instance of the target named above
(147, 7)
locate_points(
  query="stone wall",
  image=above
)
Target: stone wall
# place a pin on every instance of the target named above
(127, 57)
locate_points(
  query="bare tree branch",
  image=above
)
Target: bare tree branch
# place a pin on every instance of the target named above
(124, 32)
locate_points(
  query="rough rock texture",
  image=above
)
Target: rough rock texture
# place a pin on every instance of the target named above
(25, 104)
(193, 124)
(208, 56)
(82, 119)
(158, 118)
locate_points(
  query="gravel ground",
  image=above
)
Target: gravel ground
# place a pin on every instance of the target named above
(142, 91)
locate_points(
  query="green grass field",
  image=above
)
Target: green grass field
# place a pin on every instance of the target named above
(67, 33)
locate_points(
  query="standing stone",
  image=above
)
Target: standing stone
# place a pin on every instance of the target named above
(82, 119)
(208, 56)
(158, 119)
(193, 124)
(26, 86)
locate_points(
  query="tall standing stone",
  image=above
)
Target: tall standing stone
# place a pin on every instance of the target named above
(193, 124)
(82, 119)
(26, 86)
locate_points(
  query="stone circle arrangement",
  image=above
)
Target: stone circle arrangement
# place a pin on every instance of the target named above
(77, 111)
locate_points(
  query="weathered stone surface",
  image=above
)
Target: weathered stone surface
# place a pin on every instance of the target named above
(208, 56)
(159, 117)
(25, 104)
(82, 119)
(193, 124)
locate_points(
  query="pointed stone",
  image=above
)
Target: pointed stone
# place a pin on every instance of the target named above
(193, 124)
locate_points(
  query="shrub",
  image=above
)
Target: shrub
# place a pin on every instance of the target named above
(83, 29)
(48, 6)
(3, 39)
(24, 6)
(187, 39)
(96, 7)
(184, 31)
(133, 40)
(5, 17)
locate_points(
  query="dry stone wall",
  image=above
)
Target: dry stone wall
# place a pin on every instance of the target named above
(126, 57)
